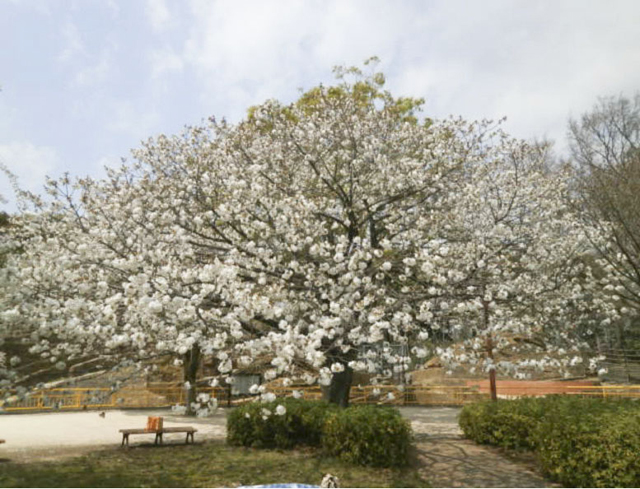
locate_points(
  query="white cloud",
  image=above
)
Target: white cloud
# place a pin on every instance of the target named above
(94, 74)
(158, 15)
(133, 122)
(114, 8)
(533, 62)
(254, 50)
(164, 62)
(29, 163)
(73, 45)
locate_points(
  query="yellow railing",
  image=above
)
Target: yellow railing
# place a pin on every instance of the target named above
(165, 395)
(607, 391)
(62, 398)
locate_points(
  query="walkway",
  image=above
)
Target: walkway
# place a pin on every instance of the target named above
(452, 461)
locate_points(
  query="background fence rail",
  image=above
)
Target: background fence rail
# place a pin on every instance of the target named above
(166, 395)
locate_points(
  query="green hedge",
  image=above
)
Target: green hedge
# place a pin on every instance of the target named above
(368, 435)
(505, 423)
(591, 449)
(579, 442)
(302, 424)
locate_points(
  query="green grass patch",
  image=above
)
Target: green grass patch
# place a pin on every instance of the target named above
(212, 464)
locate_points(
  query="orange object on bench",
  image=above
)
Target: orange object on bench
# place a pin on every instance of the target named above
(154, 423)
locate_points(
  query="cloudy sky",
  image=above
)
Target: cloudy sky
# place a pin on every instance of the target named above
(85, 81)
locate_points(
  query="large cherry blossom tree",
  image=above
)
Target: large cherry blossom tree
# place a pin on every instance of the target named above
(303, 235)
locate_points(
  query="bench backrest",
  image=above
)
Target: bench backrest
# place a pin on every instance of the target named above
(154, 423)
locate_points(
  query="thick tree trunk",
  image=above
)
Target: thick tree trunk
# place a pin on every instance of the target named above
(338, 391)
(340, 388)
(191, 366)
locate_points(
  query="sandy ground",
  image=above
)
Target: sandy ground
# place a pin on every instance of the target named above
(51, 436)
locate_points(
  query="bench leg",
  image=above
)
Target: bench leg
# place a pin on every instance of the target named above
(158, 438)
(125, 438)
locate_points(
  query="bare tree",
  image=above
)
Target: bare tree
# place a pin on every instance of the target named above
(605, 145)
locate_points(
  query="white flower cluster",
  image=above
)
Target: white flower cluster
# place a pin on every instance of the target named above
(300, 235)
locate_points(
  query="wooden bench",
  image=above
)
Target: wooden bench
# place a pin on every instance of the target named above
(154, 425)
(189, 430)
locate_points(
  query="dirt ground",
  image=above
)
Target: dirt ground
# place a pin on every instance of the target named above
(51, 436)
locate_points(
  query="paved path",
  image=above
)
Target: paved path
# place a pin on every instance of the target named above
(451, 461)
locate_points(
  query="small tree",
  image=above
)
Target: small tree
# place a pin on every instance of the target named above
(518, 280)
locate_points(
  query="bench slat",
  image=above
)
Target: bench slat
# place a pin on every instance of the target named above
(177, 429)
(189, 430)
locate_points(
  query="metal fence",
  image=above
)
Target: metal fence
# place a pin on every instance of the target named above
(166, 395)
(622, 365)
(61, 399)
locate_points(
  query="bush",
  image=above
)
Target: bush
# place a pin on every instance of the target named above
(257, 424)
(591, 450)
(579, 442)
(506, 424)
(365, 435)
(368, 435)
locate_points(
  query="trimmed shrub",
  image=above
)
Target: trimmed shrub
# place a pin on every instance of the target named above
(258, 425)
(580, 442)
(368, 435)
(591, 450)
(503, 423)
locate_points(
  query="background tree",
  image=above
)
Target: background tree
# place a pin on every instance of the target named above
(520, 285)
(605, 146)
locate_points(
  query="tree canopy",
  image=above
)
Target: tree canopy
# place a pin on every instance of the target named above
(305, 233)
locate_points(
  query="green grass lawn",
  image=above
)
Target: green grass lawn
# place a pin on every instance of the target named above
(211, 464)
